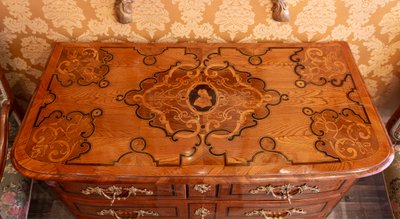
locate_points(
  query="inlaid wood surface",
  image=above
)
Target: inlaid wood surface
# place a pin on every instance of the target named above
(209, 113)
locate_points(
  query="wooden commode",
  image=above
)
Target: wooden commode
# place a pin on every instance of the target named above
(201, 131)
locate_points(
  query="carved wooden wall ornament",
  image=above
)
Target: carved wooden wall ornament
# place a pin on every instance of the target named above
(123, 11)
(280, 11)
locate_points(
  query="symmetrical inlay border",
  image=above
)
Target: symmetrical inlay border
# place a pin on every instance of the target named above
(52, 137)
(83, 66)
(202, 90)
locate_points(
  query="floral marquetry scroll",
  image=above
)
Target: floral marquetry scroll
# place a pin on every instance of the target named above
(343, 135)
(62, 137)
(211, 99)
(158, 109)
(319, 66)
(83, 66)
(216, 101)
(211, 128)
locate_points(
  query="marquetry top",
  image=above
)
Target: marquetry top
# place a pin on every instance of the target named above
(130, 112)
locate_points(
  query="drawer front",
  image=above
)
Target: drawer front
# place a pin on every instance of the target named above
(132, 210)
(118, 192)
(282, 191)
(202, 190)
(202, 210)
(261, 210)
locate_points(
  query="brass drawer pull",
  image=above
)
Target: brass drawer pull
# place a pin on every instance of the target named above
(286, 191)
(202, 188)
(117, 213)
(268, 214)
(202, 212)
(115, 192)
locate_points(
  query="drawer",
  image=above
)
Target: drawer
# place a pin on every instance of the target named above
(202, 190)
(260, 210)
(140, 209)
(282, 191)
(118, 192)
(202, 210)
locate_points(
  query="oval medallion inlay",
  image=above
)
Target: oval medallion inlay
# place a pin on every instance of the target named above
(202, 98)
(211, 101)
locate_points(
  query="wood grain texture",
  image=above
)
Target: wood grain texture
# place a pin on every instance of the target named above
(288, 119)
(366, 199)
(267, 110)
(4, 132)
(8, 105)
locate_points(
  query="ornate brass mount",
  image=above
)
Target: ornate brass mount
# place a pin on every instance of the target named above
(268, 214)
(286, 191)
(202, 188)
(117, 213)
(202, 212)
(114, 193)
(280, 11)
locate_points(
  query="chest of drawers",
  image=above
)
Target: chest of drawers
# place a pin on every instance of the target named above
(270, 130)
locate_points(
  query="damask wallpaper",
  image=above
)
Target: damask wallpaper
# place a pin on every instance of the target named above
(28, 30)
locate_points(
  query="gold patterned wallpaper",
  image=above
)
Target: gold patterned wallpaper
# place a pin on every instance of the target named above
(371, 27)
